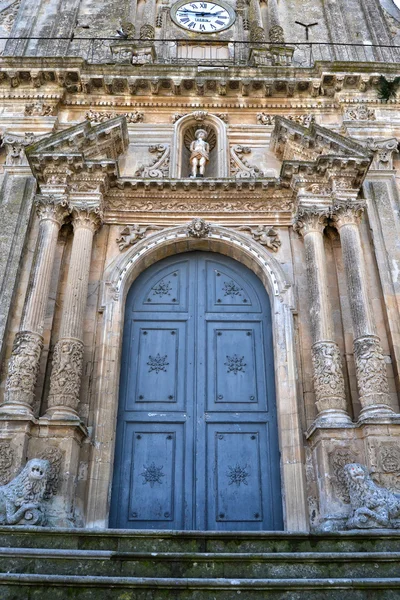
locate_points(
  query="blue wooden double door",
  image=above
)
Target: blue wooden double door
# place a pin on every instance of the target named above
(197, 440)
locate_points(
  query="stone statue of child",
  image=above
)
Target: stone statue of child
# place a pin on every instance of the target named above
(200, 153)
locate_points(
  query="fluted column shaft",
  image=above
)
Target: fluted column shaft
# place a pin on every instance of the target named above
(65, 381)
(275, 32)
(257, 32)
(23, 366)
(369, 359)
(147, 29)
(327, 368)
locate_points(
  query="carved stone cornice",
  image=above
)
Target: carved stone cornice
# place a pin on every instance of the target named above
(310, 218)
(347, 213)
(86, 217)
(52, 208)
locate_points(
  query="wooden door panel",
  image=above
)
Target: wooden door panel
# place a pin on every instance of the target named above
(164, 288)
(239, 481)
(157, 378)
(153, 467)
(236, 369)
(227, 290)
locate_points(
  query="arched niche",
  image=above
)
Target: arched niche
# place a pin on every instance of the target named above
(218, 165)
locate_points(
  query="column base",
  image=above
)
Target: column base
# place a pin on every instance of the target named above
(61, 413)
(332, 416)
(377, 411)
(13, 410)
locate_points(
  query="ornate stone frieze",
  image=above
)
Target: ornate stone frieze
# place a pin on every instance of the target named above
(15, 148)
(240, 166)
(132, 234)
(98, 116)
(268, 119)
(38, 109)
(328, 376)
(372, 506)
(371, 371)
(23, 368)
(22, 500)
(310, 218)
(89, 217)
(7, 456)
(159, 168)
(266, 235)
(200, 115)
(66, 374)
(54, 456)
(360, 112)
(346, 213)
(338, 459)
(51, 207)
(198, 228)
(383, 152)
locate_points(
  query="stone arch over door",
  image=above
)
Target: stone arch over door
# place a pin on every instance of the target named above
(117, 281)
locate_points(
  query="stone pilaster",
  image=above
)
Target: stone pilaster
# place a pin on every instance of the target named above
(66, 373)
(369, 359)
(328, 379)
(24, 362)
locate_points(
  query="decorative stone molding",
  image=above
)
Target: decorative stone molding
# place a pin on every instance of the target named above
(198, 228)
(159, 168)
(312, 218)
(338, 459)
(98, 116)
(328, 376)
(266, 235)
(23, 368)
(7, 457)
(54, 456)
(240, 166)
(347, 213)
(66, 374)
(51, 208)
(87, 217)
(361, 112)
(132, 234)
(15, 148)
(372, 506)
(383, 152)
(371, 371)
(22, 500)
(38, 109)
(268, 119)
(200, 115)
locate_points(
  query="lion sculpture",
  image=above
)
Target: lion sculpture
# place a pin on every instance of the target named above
(21, 500)
(372, 505)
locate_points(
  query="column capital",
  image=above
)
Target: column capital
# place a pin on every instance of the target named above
(52, 208)
(87, 217)
(310, 218)
(347, 213)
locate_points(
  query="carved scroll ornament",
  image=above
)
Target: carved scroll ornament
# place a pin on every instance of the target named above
(159, 168)
(240, 166)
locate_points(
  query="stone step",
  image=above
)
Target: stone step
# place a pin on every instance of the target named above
(117, 540)
(55, 587)
(310, 565)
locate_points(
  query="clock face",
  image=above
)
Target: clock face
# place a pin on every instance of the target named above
(203, 17)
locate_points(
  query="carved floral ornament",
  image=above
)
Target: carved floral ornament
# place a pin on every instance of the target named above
(358, 113)
(200, 115)
(269, 119)
(98, 116)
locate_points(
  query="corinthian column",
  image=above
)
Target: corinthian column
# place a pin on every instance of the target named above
(327, 368)
(275, 32)
(257, 33)
(147, 30)
(370, 363)
(23, 366)
(65, 381)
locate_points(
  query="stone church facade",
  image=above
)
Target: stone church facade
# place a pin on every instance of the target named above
(300, 189)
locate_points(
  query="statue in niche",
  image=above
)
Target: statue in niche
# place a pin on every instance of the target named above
(199, 153)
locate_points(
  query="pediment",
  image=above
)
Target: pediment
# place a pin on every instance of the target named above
(294, 142)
